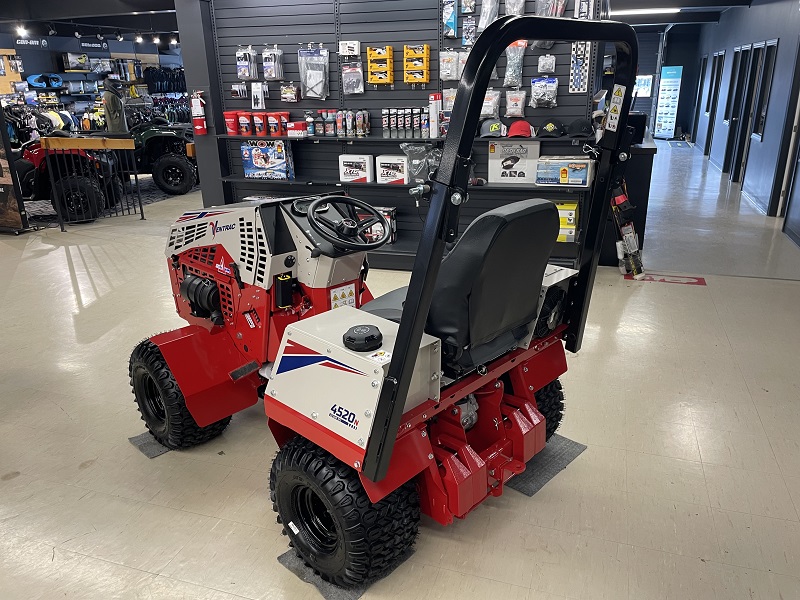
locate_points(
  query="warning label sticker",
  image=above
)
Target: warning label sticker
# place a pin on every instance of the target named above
(380, 356)
(617, 96)
(343, 296)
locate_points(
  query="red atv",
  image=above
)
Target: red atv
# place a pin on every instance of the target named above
(84, 182)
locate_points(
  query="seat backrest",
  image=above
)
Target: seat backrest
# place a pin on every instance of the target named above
(489, 284)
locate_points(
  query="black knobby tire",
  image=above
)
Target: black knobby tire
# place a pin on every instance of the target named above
(174, 174)
(161, 403)
(81, 199)
(115, 191)
(551, 313)
(329, 519)
(550, 402)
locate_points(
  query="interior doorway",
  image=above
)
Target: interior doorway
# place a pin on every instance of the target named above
(733, 103)
(700, 89)
(712, 100)
(747, 115)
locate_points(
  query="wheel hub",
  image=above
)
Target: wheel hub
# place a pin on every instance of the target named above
(317, 520)
(173, 176)
(152, 397)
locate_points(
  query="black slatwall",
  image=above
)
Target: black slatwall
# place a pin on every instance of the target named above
(376, 23)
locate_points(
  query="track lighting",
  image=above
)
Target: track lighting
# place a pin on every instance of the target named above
(139, 39)
(21, 31)
(173, 41)
(119, 36)
(156, 39)
(100, 36)
(78, 34)
(51, 29)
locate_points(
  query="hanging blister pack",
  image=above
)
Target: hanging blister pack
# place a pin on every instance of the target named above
(515, 7)
(544, 92)
(448, 65)
(239, 90)
(548, 8)
(467, 6)
(515, 103)
(490, 9)
(450, 19)
(272, 62)
(547, 63)
(448, 98)
(491, 104)
(579, 67)
(246, 64)
(313, 64)
(514, 57)
(290, 92)
(259, 94)
(352, 78)
(468, 32)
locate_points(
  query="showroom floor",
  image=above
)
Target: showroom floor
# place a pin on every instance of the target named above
(686, 395)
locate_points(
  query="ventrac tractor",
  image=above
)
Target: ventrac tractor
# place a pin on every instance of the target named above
(427, 399)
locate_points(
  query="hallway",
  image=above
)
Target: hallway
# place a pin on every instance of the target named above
(700, 223)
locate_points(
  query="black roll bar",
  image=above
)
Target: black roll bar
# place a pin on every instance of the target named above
(448, 190)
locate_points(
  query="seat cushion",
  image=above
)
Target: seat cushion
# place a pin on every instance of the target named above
(389, 306)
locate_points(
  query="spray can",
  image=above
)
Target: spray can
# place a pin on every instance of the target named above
(425, 124)
(367, 123)
(393, 123)
(340, 126)
(360, 124)
(349, 121)
(385, 122)
(416, 114)
(409, 123)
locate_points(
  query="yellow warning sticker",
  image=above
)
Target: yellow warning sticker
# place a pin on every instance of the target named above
(614, 110)
(618, 91)
(351, 294)
(343, 296)
(335, 297)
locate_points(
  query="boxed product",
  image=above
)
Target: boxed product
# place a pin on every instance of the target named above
(568, 213)
(74, 61)
(513, 161)
(356, 168)
(567, 171)
(376, 231)
(263, 159)
(566, 235)
(297, 129)
(392, 169)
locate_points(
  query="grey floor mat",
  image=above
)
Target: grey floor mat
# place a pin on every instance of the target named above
(148, 445)
(555, 457)
(295, 564)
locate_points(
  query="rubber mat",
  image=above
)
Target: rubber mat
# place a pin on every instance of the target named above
(329, 591)
(147, 444)
(555, 457)
(680, 144)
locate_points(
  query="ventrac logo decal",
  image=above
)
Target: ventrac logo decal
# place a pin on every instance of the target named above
(193, 215)
(296, 356)
(216, 228)
(344, 416)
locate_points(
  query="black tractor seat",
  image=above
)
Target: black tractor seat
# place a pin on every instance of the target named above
(487, 294)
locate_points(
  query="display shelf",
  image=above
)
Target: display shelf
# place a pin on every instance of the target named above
(47, 89)
(237, 179)
(348, 140)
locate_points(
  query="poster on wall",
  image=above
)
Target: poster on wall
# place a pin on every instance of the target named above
(12, 209)
(643, 87)
(669, 91)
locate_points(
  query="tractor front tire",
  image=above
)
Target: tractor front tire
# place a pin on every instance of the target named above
(550, 402)
(330, 520)
(161, 403)
(174, 174)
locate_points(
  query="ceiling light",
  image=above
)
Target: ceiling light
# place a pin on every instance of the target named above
(51, 29)
(77, 34)
(21, 31)
(99, 36)
(119, 36)
(139, 39)
(156, 40)
(173, 41)
(644, 11)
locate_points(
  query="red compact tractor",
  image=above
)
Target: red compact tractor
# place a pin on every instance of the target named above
(425, 400)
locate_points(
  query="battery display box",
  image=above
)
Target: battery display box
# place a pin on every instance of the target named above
(356, 168)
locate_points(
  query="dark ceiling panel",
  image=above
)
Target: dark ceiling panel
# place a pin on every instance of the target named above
(676, 18)
(57, 10)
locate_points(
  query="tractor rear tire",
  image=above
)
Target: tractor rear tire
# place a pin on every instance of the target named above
(81, 198)
(161, 403)
(330, 520)
(174, 174)
(550, 402)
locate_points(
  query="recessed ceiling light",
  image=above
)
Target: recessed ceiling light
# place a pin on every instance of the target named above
(644, 11)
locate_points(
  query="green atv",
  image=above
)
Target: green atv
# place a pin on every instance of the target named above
(161, 150)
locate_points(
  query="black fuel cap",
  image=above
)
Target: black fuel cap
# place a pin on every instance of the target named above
(363, 338)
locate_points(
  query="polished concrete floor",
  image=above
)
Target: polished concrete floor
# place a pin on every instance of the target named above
(698, 222)
(687, 397)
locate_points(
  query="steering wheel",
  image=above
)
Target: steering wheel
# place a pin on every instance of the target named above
(349, 232)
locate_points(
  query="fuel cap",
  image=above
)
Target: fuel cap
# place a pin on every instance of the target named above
(363, 338)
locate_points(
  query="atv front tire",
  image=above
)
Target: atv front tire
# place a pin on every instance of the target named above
(174, 174)
(550, 402)
(161, 403)
(80, 199)
(329, 519)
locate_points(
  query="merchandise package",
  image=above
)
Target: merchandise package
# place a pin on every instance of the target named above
(272, 60)
(392, 169)
(450, 19)
(434, 108)
(423, 160)
(547, 63)
(467, 6)
(246, 64)
(290, 93)
(565, 171)
(548, 8)
(468, 32)
(490, 9)
(313, 64)
(515, 7)
(356, 168)
(515, 103)
(259, 93)
(491, 104)
(352, 78)
(449, 65)
(239, 90)
(449, 98)
(513, 162)
(515, 54)
(376, 231)
(544, 92)
(267, 160)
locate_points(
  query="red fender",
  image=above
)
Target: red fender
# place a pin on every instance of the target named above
(201, 362)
